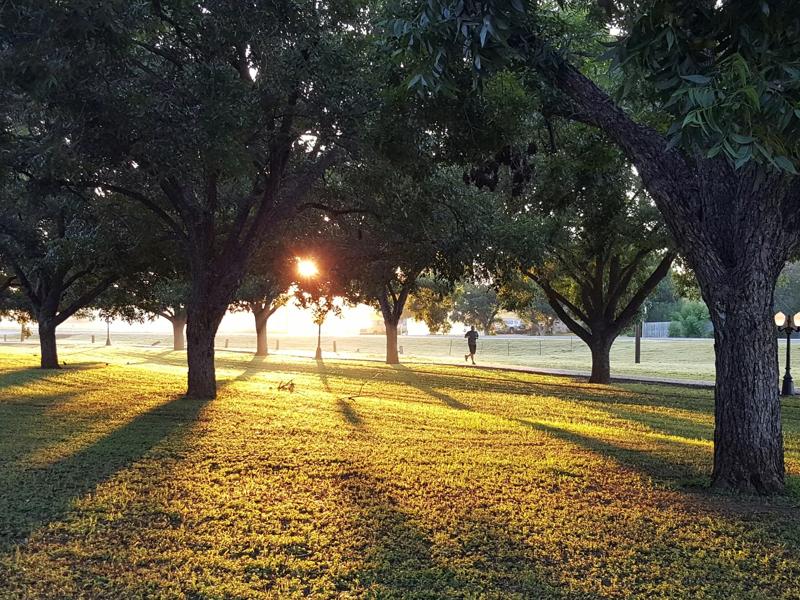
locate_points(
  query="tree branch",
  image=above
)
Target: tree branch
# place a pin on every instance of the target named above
(85, 299)
(630, 310)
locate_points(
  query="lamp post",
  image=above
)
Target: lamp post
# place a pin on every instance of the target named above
(318, 354)
(782, 321)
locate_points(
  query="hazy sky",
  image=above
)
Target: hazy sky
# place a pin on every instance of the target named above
(287, 320)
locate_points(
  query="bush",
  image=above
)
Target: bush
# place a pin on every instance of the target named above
(692, 321)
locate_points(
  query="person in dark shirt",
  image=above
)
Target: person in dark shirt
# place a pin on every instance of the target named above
(472, 343)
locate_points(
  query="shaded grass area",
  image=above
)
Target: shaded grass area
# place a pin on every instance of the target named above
(369, 481)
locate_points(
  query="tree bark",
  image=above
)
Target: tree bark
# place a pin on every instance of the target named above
(601, 359)
(201, 330)
(736, 227)
(261, 332)
(392, 356)
(178, 333)
(748, 441)
(47, 344)
(392, 304)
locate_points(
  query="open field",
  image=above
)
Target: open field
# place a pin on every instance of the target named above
(430, 482)
(668, 358)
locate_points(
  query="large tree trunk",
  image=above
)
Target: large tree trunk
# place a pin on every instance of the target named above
(261, 333)
(748, 443)
(47, 344)
(601, 359)
(178, 333)
(737, 227)
(392, 356)
(201, 330)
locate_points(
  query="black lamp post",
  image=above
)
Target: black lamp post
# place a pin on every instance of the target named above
(782, 321)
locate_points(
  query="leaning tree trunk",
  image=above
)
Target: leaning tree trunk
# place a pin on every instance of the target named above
(392, 356)
(748, 442)
(601, 359)
(178, 333)
(261, 333)
(47, 344)
(736, 227)
(746, 236)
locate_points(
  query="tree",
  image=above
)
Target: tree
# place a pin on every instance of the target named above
(409, 222)
(264, 290)
(64, 252)
(218, 119)
(787, 292)
(153, 293)
(691, 320)
(720, 160)
(663, 302)
(432, 302)
(478, 305)
(12, 303)
(320, 296)
(519, 294)
(590, 237)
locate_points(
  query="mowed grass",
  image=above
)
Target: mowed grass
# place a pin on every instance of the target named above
(368, 481)
(666, 358)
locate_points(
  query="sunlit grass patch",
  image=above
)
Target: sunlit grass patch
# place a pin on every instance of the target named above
(371, 481)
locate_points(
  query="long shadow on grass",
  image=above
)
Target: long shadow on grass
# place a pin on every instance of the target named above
(349, 413)
(401, 560)
(251, 369)
(323, 375)
(421, 382)
(25, 376)
(653, 464)
(31, 498)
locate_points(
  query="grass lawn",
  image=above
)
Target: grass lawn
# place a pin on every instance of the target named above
(433, 482)
(667, 358)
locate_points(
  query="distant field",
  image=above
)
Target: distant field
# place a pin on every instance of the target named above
(423, 482)
(670, 358)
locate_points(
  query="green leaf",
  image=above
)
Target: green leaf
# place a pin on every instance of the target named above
(698, 79)
(742, 139)
(670, 39)
(784, 164)
(752, 96)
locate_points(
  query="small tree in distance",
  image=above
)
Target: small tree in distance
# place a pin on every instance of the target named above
(477, 304)
(432, 302)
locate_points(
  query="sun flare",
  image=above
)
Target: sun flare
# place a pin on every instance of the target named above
(306, 267)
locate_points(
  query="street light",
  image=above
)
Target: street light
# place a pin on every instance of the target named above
(782, 321)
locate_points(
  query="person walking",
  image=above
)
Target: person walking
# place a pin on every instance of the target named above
(472, 344)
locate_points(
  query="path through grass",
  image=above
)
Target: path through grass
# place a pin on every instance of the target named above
(434, 482)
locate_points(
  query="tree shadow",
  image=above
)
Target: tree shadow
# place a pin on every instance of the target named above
(419, 381)
(399, 559)
(252, 368)
(661, 422)
(29, 375)
(322, 373)
(654, 465)
(159, 358)
(33, 497)
(349, 413)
